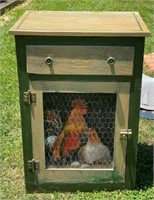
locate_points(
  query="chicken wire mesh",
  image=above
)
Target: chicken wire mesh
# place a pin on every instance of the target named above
(79, 129)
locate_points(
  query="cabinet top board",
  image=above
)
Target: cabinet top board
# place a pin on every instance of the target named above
(70, 23)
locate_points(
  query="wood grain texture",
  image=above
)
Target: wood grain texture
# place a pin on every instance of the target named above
(80, 23)
(121, 122)
(87, 60)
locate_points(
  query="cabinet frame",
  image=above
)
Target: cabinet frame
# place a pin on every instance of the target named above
(133, 119)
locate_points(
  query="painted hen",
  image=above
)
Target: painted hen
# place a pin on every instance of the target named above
(94, 151)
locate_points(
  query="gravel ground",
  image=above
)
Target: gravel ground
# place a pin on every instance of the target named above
(7, 16)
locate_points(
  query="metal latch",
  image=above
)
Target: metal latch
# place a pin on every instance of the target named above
(29, 97)
(125, 134)
(33, 165)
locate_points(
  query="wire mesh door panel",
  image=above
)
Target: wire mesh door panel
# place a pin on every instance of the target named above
(79, 129)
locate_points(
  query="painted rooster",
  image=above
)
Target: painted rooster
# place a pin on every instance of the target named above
(73, 128)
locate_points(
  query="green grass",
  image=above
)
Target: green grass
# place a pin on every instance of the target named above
(11, 169)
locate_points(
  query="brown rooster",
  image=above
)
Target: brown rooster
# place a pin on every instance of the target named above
(74, 126)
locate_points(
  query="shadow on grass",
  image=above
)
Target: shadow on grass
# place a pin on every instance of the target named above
(144, 174)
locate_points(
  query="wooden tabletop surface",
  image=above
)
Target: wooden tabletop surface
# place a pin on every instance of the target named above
(80, 23)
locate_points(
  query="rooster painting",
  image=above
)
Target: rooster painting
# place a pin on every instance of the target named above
(74, 127)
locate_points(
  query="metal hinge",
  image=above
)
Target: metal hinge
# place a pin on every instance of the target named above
(33, 165)
(29, 97)
(125, 134)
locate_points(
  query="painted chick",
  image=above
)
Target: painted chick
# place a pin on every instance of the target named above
(73, 128)
(94, 151)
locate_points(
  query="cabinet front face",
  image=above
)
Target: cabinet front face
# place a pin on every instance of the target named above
(77, 129)
(79, 73)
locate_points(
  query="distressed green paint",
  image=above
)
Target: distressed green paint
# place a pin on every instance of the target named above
(25, 112)
(135, 92)
(117, 178)
(109, 177)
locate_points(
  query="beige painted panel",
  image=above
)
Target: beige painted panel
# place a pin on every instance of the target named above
(90, 60)
(80, 23)
(121, 121)
(60, 175)
(75, 86)
(76, 176)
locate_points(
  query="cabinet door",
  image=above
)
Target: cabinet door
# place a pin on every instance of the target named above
(76, 131)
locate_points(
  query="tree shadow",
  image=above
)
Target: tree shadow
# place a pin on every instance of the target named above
(144, 173)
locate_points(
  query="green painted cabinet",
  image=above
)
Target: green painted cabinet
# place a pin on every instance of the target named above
(79, 81)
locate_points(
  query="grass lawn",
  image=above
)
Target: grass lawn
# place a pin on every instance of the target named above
(11, 165)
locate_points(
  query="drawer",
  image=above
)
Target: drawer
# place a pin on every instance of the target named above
(84, 60)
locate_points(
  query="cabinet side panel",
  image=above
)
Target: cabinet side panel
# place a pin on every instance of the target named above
(25, 112)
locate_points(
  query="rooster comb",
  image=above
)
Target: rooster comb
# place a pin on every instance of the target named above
(77, 103)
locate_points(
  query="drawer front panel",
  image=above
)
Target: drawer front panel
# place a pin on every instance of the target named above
(84, 60)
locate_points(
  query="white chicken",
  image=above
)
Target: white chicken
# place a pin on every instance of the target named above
(94, 151)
